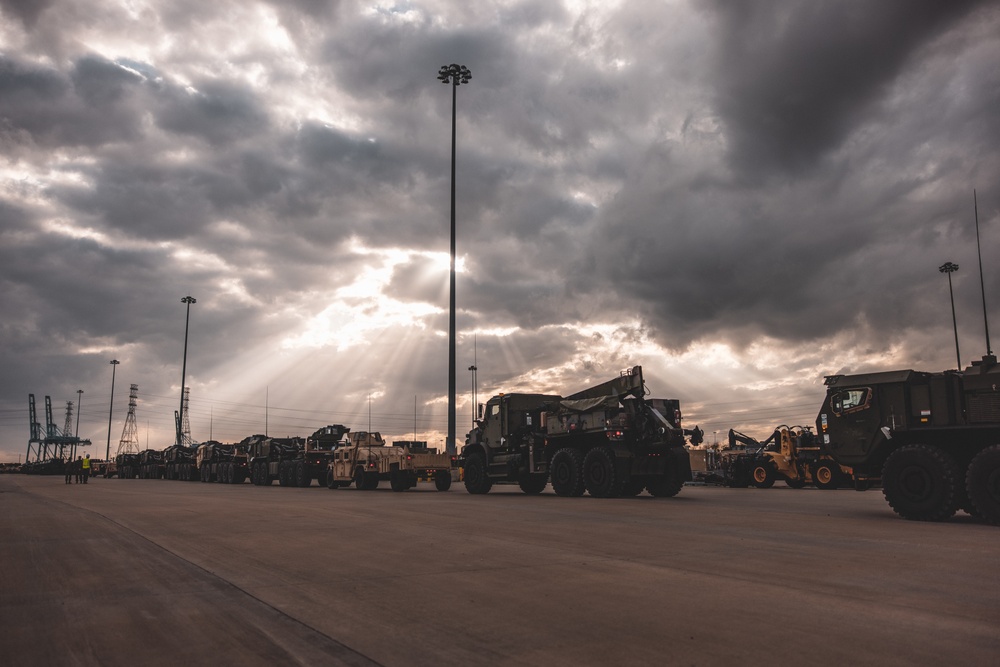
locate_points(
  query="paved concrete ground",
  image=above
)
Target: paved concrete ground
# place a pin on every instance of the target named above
(144, 572)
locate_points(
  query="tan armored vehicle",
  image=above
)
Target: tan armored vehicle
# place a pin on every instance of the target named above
(366, 460)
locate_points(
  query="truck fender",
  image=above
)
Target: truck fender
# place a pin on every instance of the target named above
(470, 450)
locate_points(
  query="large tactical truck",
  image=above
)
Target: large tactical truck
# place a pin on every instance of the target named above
(932, 440)
(365, 460)
(151, 464)
(179, 463)
(272, 458)
(609, 440)
(223, 463)
(127, 465)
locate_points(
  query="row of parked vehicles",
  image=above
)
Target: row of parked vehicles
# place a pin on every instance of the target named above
(931, 441)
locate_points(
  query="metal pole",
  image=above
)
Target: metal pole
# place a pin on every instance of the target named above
(114, 368)
(954, 324)
(455, 75)
(187, 319)
(79, 400)
(950, 268)
(982, 285)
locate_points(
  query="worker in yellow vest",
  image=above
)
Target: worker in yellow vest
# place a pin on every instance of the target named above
(86, 468)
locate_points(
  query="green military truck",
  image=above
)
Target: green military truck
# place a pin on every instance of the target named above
(609, 440)
(931, 440)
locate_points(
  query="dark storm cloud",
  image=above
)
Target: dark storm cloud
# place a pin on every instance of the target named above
(90, 105)
(216, 111)
(795, 78)
(27, 11)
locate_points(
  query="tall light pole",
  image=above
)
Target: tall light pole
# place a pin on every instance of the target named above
(114, 368)
(187, 319)
(79, 399)
(982, 285)
(455, 75)
(950, 268)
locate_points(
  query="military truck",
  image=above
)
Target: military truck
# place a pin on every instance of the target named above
(272, 458)
(931, 440)
(223, 463)
(609, 440)
(365, 461)
(127, 465)
(792, 454)
(151, 464)
(179, 463)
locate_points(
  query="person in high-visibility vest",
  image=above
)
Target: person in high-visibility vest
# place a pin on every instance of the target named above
(86, 468)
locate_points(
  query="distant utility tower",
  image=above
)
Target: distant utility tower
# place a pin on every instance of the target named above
(129, 444)
(68, 424)
(185, 422)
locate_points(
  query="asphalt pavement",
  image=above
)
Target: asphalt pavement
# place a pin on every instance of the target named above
(154, 572)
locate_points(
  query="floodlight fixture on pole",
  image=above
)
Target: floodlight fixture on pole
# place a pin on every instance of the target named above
(114, 369)
(950, 268)
(187, 319)
(455, 75)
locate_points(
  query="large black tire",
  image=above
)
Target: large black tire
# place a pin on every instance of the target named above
(633, 487)
(566, 472)
(794, 483)
(599, 473)
(826, 474)
(300, 476)
(921, 483)
(205, 475)
(321, 477)
(982, 483)
(359, 478)
(533, 484)
(442, 480)
(398, 481)
(763, 474)
(371, 481)
(227, 473)
(331, 481)
(477, 481)
(667, 486)
(283, 474)
(265, 474)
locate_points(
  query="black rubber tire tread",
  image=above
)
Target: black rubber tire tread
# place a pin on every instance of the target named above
(477, 480)
(566, 472)
(666, 486)
(633, 487)
(301, 477)
(359, 478)
(321, 477)
(398, 482)
(442, 480)
(533, 484)
(826, 475)
(762, 474)
(371, 481)
(795, 483)
(982, 482)
(599, 473)
(920, 483)
(205, 476)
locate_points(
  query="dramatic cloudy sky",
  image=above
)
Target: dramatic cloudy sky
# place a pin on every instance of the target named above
(742, 196)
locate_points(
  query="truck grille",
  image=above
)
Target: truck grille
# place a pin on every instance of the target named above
(984, 407)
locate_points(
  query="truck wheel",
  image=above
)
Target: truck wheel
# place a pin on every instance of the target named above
(599, 473)
(533, 484)
(795, 483)
(921, 483)
(762, 475)
(398, 482)
(982, 482)
(666, 486)
(633, 487)
(205, 475)
(301, 476)
(321, 477)
(566, 472)
(371, 481)
(331, 481)
(826, 475)
(442, 480)
(477, 481)
(359, 478)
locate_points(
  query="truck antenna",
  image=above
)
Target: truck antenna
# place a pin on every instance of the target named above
(982, 285)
